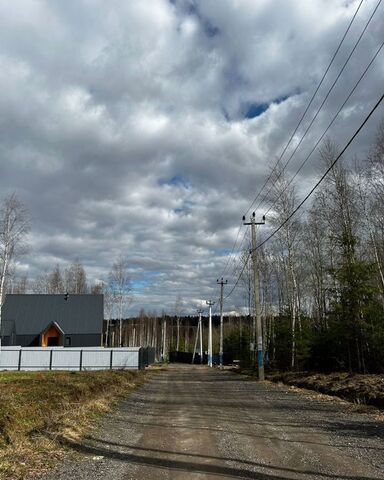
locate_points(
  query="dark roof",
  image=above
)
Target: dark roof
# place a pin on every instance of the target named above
(7, 327)
(79, 314)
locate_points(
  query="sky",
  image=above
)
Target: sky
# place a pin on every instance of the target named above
(146, 128)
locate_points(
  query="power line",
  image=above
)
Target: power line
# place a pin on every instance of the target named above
(295, 130)
(245, 263)
(233, 260)
(324, 175)
(328, 127)
(321, 105)
(232, 250)
(310, 192)
(238, 278)
(308, 106)
(311, 123)
(239, 250)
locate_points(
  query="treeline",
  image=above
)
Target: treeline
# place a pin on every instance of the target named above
(170, 333)
(322, 274)
(70, 279)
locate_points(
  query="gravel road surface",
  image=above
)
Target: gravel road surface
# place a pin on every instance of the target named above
(198, 423)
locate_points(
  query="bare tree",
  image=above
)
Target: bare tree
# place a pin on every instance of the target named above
(56, 283)
(98, 288)
(120, 286)
(317, 254)
(178, 310)
(108, 309)
(370, 187)
(41, 283)
(21, 284)
(243, 267)
(284, 198)
(14, 227)
(76, 278)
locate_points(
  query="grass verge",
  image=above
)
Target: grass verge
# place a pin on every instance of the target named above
(357, 388)
(39, 408)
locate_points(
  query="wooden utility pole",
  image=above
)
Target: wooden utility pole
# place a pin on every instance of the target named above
(210, 303)
(221, 283)
(257, 333)
(201, 336)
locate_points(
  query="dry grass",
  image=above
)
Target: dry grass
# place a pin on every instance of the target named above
(39, 408)
(356, 388)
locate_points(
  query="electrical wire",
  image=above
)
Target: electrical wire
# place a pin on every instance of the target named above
(295, 130)
(230, 258)
(328, 127)
(310, 192)
(232, 250)
(238, 278)
(239, 250)
(321, 105)
(324, 175)
(308, 106)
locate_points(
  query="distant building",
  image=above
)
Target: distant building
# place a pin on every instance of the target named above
(52, 320)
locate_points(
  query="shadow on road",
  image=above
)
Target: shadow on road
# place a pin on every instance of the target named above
(195, 467)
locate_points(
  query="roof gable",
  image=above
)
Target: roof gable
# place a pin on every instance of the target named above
(53, 324)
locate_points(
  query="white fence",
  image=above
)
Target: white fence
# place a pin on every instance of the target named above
(63, 358)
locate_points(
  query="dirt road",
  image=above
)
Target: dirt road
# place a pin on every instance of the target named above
(197, 423)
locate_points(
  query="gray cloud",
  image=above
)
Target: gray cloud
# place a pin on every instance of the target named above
(124, 125)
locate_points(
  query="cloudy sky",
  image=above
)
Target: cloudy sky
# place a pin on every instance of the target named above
(146, 127)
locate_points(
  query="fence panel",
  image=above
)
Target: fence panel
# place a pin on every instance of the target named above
(96, 359)
(35, 360)
(64, 359)
(122, 358)
(9, 358)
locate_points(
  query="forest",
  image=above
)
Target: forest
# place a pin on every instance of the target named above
(321, 275)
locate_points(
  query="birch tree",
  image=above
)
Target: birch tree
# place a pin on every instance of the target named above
(76, 278)
(178, 310)
(56, 283)
(284, 201)
(121, 289)
(339, 210)
(14, 227)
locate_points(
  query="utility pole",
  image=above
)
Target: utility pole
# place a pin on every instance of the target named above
(164, 339)
(195, 346)
(221, 283)
(210, 303)
(257, 333)
(201, 335)
(199, 330)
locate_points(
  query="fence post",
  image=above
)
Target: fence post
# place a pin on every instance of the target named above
(81, 360)
(50, 360)
(19, 364)
(111, 360)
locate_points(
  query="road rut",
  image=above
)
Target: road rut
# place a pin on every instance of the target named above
(198, 423)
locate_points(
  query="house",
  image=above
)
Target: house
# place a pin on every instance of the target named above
(52, 320)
